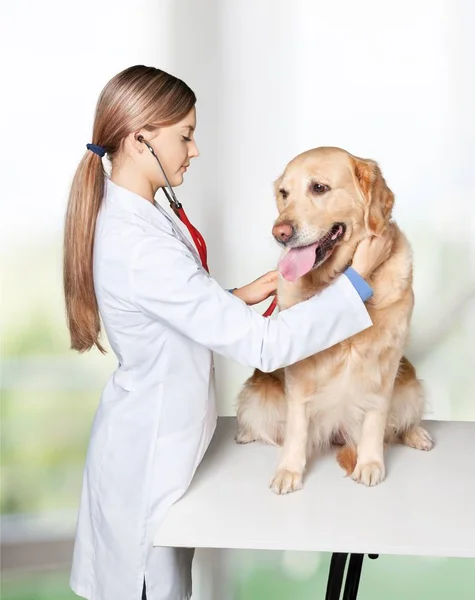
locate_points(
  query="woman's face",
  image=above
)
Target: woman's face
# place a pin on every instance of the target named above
(175, 147)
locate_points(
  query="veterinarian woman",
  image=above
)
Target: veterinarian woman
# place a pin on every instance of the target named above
(128, 263)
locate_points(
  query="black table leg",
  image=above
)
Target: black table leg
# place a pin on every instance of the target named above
(335, 576)
(353, 577)
(337, 571)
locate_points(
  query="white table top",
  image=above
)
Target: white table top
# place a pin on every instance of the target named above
(426, 505)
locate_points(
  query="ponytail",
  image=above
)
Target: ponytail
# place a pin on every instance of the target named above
(85, 199)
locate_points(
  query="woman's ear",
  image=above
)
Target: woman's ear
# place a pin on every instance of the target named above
(133, 144)
(377, 196)
(138, 138)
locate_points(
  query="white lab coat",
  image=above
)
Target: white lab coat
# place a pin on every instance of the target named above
(164, 315)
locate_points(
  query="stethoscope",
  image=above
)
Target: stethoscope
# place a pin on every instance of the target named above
(178, 209)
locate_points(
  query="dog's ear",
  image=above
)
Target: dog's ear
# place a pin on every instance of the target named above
(377, 196)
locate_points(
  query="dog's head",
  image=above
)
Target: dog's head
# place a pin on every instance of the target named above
(328, 201)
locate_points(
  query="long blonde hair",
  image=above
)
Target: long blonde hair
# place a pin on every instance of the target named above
(139, 97)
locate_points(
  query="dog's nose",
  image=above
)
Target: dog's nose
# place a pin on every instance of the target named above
(283, 232)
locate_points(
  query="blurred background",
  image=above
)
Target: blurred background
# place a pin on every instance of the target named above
(392, 81)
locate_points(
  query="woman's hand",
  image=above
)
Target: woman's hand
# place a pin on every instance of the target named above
(372, 252)
(258, 290)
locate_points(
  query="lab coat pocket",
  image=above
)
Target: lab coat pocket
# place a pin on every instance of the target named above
(125, 379)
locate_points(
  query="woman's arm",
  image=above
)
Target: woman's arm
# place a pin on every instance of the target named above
(168, 284)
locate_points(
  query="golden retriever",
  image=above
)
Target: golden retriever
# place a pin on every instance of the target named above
(362, 392)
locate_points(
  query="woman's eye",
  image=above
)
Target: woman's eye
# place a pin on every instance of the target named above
(320, 188)
(186, 139)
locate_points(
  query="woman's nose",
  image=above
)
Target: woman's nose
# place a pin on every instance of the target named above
(194, 152)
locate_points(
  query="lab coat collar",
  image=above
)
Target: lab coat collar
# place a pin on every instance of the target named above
(132, 202)
(152, 213)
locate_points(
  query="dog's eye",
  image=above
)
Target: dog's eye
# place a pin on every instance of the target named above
(285, 194)
(320, 188)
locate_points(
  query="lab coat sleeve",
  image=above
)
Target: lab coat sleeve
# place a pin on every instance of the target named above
(167, 284)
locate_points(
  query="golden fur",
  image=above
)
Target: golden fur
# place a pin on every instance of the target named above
(361, 392)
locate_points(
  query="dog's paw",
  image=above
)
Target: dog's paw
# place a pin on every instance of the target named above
(285, 482)
(244, 437)
(418, 438)
(369, 474)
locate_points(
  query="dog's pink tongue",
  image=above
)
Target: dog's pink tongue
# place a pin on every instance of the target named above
(297, 262)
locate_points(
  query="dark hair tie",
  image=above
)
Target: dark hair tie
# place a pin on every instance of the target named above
(99, 150)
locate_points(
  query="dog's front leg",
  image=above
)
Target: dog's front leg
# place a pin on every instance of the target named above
(370, 469)
(289, 474)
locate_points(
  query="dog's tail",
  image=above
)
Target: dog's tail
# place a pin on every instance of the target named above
(346, 458)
